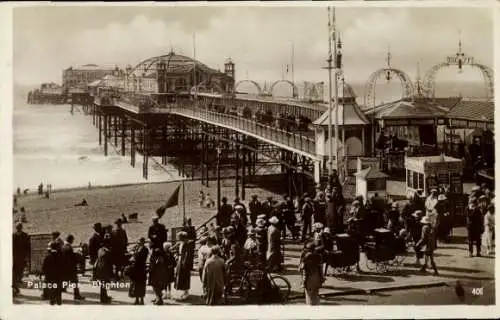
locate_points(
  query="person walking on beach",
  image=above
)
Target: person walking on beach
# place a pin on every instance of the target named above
(69, 266)
(21, 251)
(40, 189)
(214, 277)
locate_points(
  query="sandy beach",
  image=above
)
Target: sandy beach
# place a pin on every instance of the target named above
(106, 204)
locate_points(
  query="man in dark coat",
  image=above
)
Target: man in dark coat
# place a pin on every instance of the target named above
(475, 227)
(307, 214)
(104, 269)
(241, 209)
(138, 274)
(95, 242)
(255, 209)
(224, 216)
(157, 234)
(21, 252)
(267, 207)
(320, 208)
(69, 265)
(119, 242)
(288, 213)
(53, 272)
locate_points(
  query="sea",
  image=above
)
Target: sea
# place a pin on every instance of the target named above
(54, 146)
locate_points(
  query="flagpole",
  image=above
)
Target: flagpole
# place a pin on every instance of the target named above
(293, 78)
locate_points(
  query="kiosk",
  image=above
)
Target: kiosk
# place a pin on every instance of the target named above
(433, 172)
(371, 181)
(427, 173)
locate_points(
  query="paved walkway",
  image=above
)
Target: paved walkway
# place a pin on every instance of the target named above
(452, 260)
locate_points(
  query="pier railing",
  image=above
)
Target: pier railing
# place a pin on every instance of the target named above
(289, 139)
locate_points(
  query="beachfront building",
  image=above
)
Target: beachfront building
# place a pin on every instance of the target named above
(81, 76)
(172, 74)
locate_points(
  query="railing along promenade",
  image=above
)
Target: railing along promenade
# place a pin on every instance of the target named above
(289, 140)
(285, 139)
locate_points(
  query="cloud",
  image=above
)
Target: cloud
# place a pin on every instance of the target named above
(257, 38)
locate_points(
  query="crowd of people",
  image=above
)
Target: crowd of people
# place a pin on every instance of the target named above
(254, 237)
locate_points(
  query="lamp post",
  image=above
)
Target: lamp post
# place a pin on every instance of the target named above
(219, 151)
(330, 105)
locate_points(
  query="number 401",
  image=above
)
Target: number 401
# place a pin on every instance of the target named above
(477, 291)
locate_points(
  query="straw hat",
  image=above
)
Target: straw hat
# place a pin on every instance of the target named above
(476, 188)
(394, 205)
(274, 220)
(261, 216)
(318, 225)
(434, 190)
(326, 230)
(425, 220)
(355, 203)
(441, 197)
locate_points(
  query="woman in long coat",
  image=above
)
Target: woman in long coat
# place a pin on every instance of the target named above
(104, 268)
(183, 269)
(137, 273)
(311, 274)
(273, 254)
(214, 277)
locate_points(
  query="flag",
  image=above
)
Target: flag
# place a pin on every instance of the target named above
(171, 202)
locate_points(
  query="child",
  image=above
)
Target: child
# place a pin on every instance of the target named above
(489, 229)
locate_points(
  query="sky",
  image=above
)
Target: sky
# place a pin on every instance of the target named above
(258, 39)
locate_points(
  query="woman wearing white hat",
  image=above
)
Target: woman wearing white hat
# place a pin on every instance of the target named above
(273, 254)
(427, 244)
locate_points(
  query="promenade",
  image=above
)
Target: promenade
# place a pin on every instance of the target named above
(452, 260)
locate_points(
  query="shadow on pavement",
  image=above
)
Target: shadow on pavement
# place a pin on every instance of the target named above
(364, 277)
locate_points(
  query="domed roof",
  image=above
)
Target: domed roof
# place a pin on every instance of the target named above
(173, 63)
(345, 91)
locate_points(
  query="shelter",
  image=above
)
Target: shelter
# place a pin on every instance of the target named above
(352, 123)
